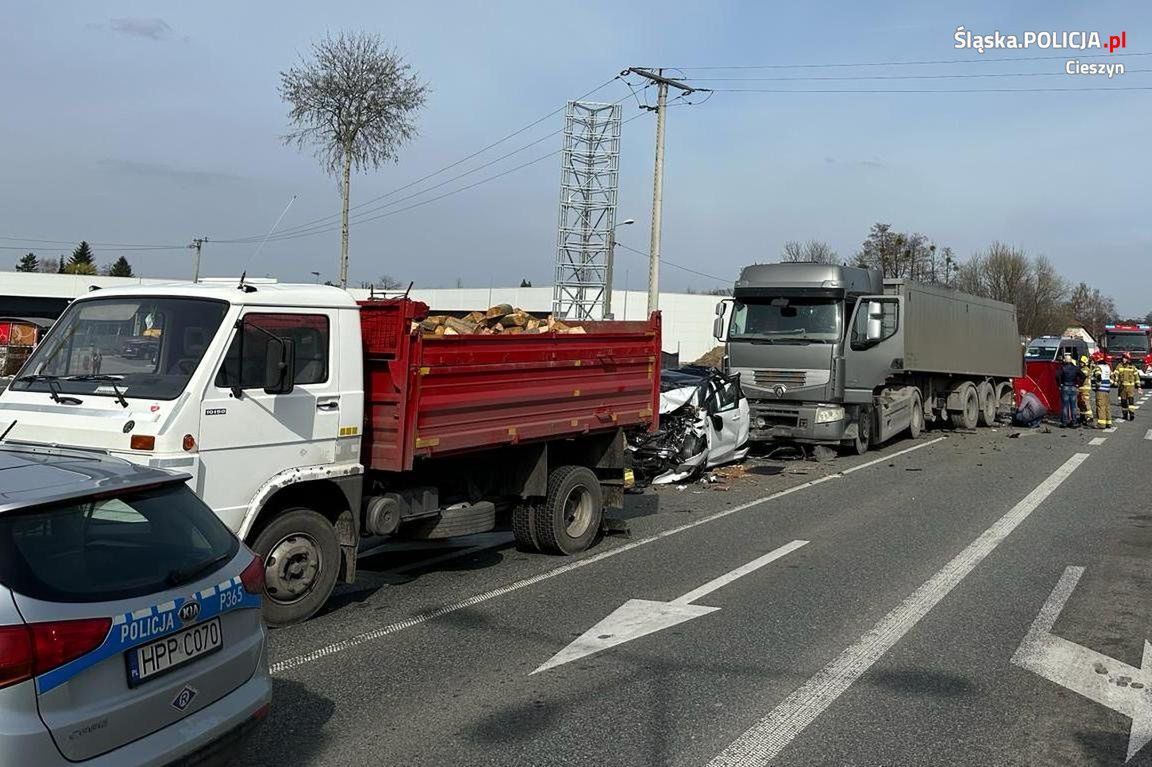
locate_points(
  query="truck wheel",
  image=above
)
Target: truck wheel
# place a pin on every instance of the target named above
(1005, 400)
(969, 413)
(569, 519)
(524, 527)
(988, 403)
(916, 420)
(863, 440)
(301, 562)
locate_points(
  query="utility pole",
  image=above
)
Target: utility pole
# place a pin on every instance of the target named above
(662, 84)
(197, 243)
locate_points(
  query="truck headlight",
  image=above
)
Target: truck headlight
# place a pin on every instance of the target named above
(829, 413)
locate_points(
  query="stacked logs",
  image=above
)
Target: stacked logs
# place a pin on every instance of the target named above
(502, 319)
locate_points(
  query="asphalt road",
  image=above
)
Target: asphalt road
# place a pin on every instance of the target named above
(962, 599)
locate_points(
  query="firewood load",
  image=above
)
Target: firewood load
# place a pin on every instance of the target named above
(502, 319)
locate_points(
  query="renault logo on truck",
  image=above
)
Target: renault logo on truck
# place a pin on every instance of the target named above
(779, 390)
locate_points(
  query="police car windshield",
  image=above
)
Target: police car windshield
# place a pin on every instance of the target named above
(112, 548)
(138, 347)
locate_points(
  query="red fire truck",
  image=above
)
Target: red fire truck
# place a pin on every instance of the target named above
(1133, 338)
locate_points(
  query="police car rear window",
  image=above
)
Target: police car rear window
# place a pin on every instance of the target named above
(112, 547)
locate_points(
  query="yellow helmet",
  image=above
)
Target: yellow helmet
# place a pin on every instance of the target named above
(1083, 359)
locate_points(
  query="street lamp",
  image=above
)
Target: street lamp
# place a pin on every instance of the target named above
(608, 267)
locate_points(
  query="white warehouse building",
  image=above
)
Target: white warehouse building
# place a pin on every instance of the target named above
(687, 318)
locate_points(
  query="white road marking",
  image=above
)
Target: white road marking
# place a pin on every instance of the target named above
(1096, 676)
(764, 740)
(641, 617)
(1148, 434)
(1097, 441)
(1110, 430)
(437, 612)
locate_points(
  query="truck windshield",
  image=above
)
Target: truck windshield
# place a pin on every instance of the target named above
(1126, 342)
(123, 347)
(786, 320)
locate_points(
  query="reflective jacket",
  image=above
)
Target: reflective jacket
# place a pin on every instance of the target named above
(1126, 375)
(1102, 377)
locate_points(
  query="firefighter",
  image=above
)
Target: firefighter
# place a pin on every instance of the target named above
(1085, 399)
(1127, 379)
(1102, 385)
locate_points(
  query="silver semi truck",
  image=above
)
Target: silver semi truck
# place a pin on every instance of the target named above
(839, 356)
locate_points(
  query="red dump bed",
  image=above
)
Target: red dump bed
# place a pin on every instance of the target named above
(431, 396)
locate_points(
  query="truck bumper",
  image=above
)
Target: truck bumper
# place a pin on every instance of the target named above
(790, 422)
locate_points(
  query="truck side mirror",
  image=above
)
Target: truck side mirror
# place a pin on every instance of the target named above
(720, 324)
(279, 366)
(875, 330)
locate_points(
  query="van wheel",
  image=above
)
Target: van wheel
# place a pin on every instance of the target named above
(569, 519)
(969, 413)
(988, 403)
(301, 562)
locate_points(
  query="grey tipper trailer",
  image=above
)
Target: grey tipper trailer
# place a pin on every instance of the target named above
(835, 355)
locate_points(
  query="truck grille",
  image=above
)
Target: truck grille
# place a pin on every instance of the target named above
(789, 378)
(778, 417)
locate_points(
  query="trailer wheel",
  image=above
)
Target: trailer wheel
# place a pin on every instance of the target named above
(1005, 400)
(524, 527)
(569, 519)
(916, 420)
(301, 562)
(988, 402)
(969, 413)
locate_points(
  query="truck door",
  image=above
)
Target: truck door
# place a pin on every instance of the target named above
(875, 346)
(248, 435)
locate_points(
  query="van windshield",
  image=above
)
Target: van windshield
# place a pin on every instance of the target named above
(133, 347)
(786, 319)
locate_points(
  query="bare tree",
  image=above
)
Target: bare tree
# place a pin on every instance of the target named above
(812, 251)
(354, 102)
(1008, 274)
(1092, 310)
(388, 282)
(793, 252)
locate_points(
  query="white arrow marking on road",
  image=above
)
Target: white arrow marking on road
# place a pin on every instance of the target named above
(1148, 434)
(640, 617)
(1094, 675)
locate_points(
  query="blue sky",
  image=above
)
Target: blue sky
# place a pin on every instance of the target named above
(152, 123)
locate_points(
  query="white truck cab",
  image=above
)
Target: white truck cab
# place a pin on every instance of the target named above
(254, 390)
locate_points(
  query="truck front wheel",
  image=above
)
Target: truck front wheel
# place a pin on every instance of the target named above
(569, 519)
(301, 562)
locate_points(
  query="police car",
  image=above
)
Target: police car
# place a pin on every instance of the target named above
(130, 627)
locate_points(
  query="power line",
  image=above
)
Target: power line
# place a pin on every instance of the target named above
(73, 243)
(909, 63)
(485, 180)
(669, 263)
(435, 173)
(891, 77)
(934, 90)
